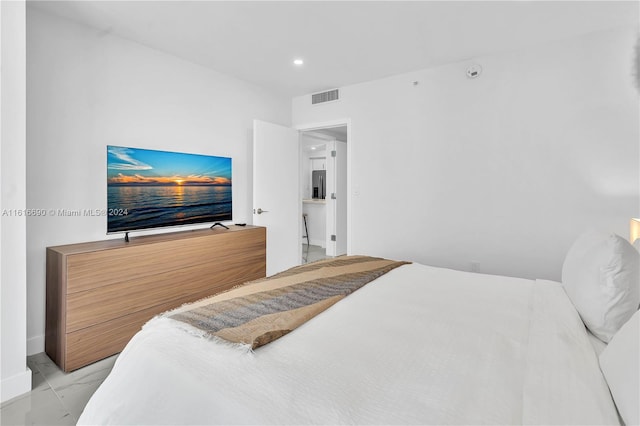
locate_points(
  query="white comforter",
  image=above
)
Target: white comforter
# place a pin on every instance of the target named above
(420, 345)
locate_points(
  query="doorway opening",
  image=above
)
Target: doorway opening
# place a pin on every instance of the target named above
(323, 192)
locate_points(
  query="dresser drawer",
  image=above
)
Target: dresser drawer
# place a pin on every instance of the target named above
(86, 271)
(101, 304)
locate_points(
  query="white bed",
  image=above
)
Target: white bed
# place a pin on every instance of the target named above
(419, 345)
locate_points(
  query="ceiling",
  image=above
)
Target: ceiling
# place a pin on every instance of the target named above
(342, 42)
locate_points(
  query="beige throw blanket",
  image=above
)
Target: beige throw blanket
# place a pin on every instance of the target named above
(261, 311)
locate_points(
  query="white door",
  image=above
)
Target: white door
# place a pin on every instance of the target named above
(336, 198)
(276, 199)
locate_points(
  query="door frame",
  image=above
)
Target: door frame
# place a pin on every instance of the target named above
(326, 125)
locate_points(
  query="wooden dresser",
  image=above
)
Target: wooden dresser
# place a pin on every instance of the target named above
(100, 293)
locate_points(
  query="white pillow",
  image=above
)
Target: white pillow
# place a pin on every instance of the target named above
(619, 363)
(601, 275)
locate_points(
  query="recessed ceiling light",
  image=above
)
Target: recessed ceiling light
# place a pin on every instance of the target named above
(298, 62)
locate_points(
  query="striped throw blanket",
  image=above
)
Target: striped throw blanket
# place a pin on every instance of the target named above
(261, 311)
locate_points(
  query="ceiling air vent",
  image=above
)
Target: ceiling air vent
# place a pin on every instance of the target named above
(331, 95)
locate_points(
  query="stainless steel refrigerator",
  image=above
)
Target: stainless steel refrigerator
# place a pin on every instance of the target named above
(318, 183)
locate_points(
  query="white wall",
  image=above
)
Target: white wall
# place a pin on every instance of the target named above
(506, 169)
(88, 89)
(15, 377)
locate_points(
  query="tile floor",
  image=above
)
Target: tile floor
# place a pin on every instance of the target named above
(312, 253)
(56, 398)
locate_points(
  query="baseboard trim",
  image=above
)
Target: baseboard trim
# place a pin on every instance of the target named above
(15, 385)
(35, 345)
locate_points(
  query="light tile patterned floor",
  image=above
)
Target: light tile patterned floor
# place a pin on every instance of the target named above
(56, 398)
(312, 253)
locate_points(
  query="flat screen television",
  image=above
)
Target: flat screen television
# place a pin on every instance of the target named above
(153, 189)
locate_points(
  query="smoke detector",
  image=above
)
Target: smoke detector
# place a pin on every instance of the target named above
(474, 71)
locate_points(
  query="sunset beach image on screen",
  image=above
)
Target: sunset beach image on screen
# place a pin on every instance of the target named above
(150, 189)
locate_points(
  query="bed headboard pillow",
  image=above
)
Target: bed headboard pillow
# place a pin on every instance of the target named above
(601, 276)
(620, 366)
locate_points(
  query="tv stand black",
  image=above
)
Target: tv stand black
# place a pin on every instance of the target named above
(218, 223)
